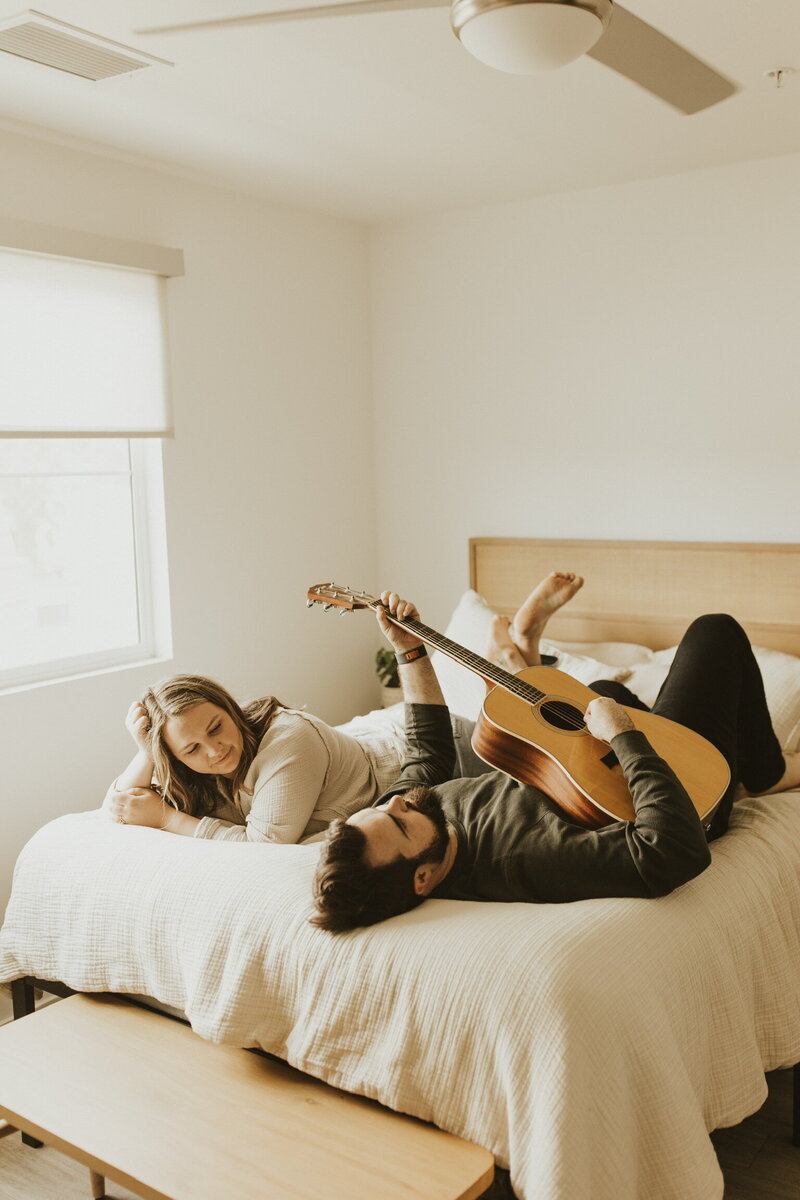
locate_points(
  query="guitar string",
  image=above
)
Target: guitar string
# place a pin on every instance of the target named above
(510, 683)
(482, 666)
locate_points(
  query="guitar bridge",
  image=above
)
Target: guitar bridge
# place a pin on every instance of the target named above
(610, 760)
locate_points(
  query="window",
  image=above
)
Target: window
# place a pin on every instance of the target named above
(78, 588)
(83, 406)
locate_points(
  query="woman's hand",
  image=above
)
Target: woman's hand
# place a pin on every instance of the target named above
(400, 639)
(138, 806)
(137, 724)
(605, 719)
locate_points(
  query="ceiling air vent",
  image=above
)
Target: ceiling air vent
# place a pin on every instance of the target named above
(53, 43)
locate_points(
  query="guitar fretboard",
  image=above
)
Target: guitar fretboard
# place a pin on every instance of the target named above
(474, 662)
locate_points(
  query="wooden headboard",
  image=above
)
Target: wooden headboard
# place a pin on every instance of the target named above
(648, 592)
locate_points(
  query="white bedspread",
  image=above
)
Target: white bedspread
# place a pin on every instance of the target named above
(589, 1046)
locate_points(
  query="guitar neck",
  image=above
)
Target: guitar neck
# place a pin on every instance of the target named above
(473, 662)
(331, 595)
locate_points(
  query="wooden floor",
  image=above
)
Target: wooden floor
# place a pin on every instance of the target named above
(757, 1157)
(44, 1174)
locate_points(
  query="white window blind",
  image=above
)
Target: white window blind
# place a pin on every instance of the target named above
(84, 400)
(82, 349)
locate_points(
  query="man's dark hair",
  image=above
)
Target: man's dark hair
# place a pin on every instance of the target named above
(348, 892)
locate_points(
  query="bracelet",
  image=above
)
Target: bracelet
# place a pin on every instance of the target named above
(410, 655)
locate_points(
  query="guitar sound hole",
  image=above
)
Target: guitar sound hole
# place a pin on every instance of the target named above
(563, 716)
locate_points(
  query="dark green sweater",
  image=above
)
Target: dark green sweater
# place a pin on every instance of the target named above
(514, 843)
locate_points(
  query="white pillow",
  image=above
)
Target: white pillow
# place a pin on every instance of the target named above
(469, 626)
(646, 678)
(781, 675)
(616, 654)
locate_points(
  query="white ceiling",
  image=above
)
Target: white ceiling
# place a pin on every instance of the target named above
(377, 116)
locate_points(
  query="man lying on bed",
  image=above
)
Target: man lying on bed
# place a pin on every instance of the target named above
(493, 838)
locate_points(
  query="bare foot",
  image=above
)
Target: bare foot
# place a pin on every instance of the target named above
(501, 650)
(790, 778)
(530, 619)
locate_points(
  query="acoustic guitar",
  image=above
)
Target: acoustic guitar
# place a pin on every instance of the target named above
(531, 726)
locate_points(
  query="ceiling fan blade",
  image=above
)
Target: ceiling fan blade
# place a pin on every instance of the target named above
(301, 14)
(639, 52)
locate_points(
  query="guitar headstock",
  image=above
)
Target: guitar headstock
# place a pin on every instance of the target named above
(330, 595)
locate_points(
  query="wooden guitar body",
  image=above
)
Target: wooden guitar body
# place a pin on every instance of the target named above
(546, 744)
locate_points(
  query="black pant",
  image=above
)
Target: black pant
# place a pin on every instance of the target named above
(714, 686)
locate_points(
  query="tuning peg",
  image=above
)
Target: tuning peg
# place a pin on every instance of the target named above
(327, 606)
(343, 612)
(309, 603)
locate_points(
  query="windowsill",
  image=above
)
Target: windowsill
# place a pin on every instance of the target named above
(59, 679)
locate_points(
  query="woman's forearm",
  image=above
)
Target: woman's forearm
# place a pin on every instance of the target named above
(181, 823)
(138, 773)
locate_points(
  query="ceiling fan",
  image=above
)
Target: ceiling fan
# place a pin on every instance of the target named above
(523, 36)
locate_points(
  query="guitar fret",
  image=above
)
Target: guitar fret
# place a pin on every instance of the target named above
(475, 662)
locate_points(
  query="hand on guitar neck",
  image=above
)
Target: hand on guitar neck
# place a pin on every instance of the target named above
(418, 679)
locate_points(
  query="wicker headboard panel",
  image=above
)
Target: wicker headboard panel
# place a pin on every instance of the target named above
(648, 592)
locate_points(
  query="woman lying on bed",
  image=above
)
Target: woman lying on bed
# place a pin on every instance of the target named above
(266, 772)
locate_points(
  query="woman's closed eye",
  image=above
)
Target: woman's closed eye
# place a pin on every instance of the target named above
(213, 731)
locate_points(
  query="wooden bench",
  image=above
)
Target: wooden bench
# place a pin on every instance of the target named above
(141, 1099)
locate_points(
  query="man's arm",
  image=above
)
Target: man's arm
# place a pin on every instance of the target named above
(430, 755)
(667, 841)
(417, 677)
(664, 847)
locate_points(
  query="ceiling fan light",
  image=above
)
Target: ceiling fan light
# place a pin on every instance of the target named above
(525, 36)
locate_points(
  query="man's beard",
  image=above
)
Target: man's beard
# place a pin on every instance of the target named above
(426, 801)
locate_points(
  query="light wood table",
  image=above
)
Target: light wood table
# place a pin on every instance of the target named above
(142, 1100)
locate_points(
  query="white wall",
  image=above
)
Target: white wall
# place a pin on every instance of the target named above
(622, 363)
(268, 480)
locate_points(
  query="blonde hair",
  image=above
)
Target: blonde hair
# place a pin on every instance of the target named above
(185, 789)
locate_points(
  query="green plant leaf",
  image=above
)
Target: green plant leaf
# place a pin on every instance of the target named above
(386, 668)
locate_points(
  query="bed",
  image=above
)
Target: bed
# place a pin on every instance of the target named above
(589, 1046)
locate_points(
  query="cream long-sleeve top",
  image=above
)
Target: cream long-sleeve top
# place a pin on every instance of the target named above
(304, 775)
